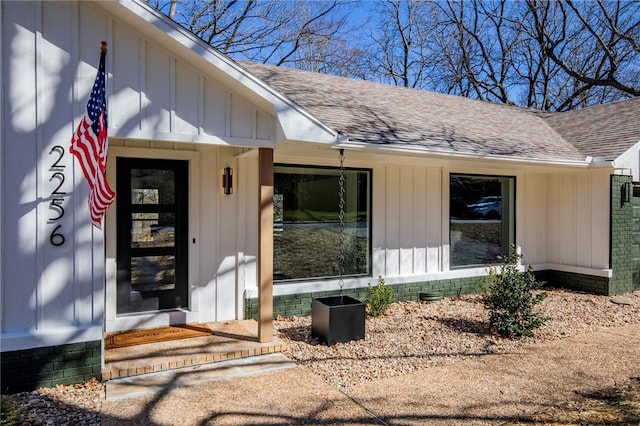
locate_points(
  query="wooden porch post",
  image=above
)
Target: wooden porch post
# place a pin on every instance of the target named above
(265, 246)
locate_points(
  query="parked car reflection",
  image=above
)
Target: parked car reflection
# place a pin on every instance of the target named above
(489, 207)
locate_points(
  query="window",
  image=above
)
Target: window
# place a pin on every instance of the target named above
(482, 219)
(306, 240)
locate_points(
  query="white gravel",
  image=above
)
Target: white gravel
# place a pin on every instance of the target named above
(409, 337)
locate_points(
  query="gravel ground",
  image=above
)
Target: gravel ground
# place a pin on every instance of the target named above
(409, 337)
(414, 335)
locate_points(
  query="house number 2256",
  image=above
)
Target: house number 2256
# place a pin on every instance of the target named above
(56, 237)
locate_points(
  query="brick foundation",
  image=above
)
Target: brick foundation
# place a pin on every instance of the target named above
(29, 369)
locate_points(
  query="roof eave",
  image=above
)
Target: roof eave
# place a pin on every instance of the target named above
(588, 162)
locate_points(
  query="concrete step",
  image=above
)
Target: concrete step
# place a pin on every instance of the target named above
(134, 386)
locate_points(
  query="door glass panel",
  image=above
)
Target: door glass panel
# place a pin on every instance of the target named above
(153, 273)
(151, 186)
(152, 230)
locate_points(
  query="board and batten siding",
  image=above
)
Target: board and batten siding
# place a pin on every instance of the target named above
(578, 220)
(50, 294)
(54, 295)
(407, 220)
(157, 95)
(561, 218)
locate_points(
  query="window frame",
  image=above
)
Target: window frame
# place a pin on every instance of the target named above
(369, 172)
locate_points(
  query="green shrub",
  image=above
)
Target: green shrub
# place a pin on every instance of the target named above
(379, 298)
(508, 294)
(8, 413)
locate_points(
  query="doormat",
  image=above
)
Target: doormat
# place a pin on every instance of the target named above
(155, 335)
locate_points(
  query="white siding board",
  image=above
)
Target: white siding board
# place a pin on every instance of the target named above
(93, 27)
(226, 229)
(125, 102)
(569, 211)
(378, 220)
(554, 228)
(207, 239)
(243, 118)
(534, 215)
(265, 124)
(248, 193)
(157, 80)
(433, 218)
(58, 290)
(392, 217)
(406, 218)
(583, 220)
(55, 70)
(187, 95)
(215, 111)
(420, 221)
(19, 145)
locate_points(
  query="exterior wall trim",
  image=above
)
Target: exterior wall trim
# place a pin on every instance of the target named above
(605, 273)
(49, 337)
(363, 282)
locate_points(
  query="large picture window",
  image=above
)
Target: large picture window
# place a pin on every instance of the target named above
(306, 238)
(482, 219)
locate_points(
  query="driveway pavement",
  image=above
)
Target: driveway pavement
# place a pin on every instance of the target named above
(489, 389)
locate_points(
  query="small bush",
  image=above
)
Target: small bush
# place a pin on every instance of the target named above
(508, 294)
(379, 298)
(8, 411)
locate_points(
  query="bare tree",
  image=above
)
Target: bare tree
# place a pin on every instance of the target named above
(553, 55)
(547, 54)
(596, 45)
(476, 43)
(280, 32)
(398, 49)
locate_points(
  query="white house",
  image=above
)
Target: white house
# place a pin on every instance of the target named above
(435, 187)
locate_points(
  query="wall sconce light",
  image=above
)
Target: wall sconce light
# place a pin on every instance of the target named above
(625, 193)
(227, 181)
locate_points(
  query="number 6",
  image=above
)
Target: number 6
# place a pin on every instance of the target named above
(55, 238)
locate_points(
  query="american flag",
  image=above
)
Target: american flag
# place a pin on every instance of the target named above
(89, 145)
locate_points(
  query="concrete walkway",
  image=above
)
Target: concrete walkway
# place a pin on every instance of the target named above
(490, 389)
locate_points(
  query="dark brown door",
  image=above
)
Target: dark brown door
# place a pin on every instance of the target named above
(152, 226)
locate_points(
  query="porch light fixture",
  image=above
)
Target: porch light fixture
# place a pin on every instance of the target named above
(625, 193)
(227, 181)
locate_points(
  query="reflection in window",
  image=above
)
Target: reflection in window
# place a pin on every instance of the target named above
(482, 218)
(151, 186)
(306, 223)
(153, 273)
(152, 230)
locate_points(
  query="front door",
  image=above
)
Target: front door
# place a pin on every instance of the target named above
(152, 226)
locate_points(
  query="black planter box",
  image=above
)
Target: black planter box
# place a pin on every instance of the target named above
(337, 319)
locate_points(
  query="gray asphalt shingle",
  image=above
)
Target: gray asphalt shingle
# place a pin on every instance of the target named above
(375, 113)
(601, 131)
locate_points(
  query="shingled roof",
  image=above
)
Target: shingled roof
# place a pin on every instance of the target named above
(380, 114)
(604, 131)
